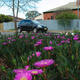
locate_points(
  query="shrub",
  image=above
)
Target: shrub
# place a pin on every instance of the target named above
(4, 18)
(65, 18)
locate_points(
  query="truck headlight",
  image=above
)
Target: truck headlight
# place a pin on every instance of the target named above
(39, 26)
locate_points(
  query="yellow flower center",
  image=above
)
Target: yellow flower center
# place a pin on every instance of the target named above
(20, 71)
(44, 63)
(23, 78)
(34, 72)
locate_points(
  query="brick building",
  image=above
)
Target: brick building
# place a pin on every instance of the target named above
(51, 14)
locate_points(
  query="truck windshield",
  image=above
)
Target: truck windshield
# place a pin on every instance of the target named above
(36, 22)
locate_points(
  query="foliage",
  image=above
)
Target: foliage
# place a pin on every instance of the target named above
(65, 18)
(62, 10)
(32, 14)
(16, 52)
(75, 30)
(66, 15)
(5, 18)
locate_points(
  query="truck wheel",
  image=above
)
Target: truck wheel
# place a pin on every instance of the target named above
(35, 30)
(19, 30)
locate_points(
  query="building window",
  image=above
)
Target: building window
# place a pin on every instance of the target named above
(52, 17)
(48, 19)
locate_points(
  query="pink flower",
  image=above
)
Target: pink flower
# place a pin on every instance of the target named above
(78, 41)
(68, 41)
(37, 36)
(21, 36)
(46, 34)
(48, 48)
(40, 40)
(36, 44)
(33, 54)
(19, 70)
(38, 54)
(63, 37)
(44, 63)
(4, 43)
(50, 33)
(30, 56)
(32, 37)
(27, 58)
(59, 44)
(35, 71)
(26, 36)
(8, 42)
(9, 38)
(50, 42)
(54, 37)
(23, 76)
(26, 67)
(75, 38)
(58, 36)
(13, 40)
(63, 41)
(39, 43)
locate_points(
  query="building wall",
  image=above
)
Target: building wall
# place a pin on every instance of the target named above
(77, 2)
(76, 12)
(47, 16)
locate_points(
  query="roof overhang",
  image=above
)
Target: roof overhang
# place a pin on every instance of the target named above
(57, 11)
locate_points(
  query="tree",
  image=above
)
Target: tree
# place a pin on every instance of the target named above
(62, 10)
(5, 18)
(66, 15)
(18, 5)
(65, 18)
(32, 14)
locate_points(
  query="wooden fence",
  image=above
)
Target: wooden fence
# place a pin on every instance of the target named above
(1, 26)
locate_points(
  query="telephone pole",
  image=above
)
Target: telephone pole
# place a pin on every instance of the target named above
(78, 14)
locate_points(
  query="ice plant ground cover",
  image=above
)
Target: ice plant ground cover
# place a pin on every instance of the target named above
(39, 56)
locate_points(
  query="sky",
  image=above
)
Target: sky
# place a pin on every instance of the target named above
(42, 6)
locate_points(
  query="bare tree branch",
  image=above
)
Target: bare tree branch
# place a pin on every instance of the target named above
(6, 4)
(17, 9)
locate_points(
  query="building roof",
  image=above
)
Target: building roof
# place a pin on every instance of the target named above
(17, 18)
(40, 17)
(71, 5)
